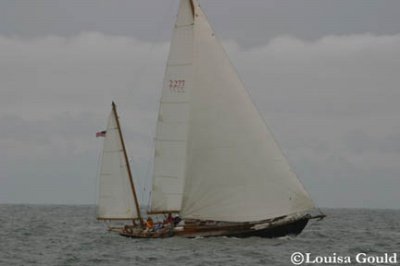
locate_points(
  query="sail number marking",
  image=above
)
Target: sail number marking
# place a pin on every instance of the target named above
(177, 86)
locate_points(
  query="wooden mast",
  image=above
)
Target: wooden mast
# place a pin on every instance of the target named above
(192, 8)
(114, 107)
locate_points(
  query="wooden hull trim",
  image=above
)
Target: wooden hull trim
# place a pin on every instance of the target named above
(291, 227)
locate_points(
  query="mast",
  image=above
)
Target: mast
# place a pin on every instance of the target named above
(192, 8)
(114, 107)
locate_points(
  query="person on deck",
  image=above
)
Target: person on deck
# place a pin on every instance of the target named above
(177, 220)
(149, 224)
(170, 219)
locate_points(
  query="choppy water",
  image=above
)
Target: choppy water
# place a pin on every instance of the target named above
(70, 235)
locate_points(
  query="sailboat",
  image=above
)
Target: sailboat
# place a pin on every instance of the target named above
(216, 163)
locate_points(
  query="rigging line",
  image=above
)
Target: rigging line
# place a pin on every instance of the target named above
(96, 180)
(150, 161)
(139, 75)
(149, 170)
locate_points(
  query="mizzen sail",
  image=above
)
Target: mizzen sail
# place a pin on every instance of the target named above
(117, 200)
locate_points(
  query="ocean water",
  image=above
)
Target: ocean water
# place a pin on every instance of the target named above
(70, 235)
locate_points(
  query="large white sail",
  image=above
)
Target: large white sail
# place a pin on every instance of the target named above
(116, 198)
(212, 145)
(236, 171)
(173, 119)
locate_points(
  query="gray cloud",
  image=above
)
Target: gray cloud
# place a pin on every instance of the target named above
(151, 20)
(332, 103)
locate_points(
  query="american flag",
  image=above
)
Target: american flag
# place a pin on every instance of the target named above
(101, 134)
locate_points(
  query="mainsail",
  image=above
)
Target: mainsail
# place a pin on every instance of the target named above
(117, 198)
(215, 158)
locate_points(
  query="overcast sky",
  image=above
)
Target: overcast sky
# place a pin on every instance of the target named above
(324, 74)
